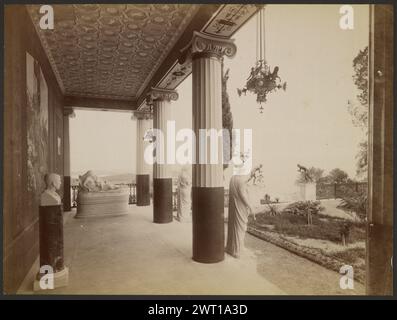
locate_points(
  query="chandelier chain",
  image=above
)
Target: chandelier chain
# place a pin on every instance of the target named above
(262, 80)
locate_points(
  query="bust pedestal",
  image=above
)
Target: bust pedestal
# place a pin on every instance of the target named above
(51, 249)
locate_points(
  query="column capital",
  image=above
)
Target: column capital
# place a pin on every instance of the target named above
(69, 112)
(142, 115)
(203, 45)
(161, 94)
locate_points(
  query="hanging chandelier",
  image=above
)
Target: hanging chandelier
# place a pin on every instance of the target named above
(262, 80)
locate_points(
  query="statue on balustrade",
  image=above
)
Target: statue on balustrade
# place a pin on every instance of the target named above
(239, 210)
(184, 213)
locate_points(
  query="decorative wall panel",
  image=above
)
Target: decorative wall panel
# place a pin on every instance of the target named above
(37, 126)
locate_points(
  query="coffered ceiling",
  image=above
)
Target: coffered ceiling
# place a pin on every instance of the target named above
(110, 51)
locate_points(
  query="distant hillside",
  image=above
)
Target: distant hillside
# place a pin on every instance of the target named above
(115, 178)
(120, 178)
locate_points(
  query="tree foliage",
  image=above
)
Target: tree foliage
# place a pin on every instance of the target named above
(360, 77)
(338, 176)
(362, 159)
(334, 176)
(355, 202)
(227, 117)
(359, 111)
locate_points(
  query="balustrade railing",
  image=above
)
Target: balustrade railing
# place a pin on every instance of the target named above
(74, 190)
(132, 188)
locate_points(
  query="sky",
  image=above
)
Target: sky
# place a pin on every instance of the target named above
(307, 124)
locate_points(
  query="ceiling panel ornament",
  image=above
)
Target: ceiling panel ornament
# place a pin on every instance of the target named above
(110, 51)
(223, 24)
(142, 115)
(179, 72)
(229, 18)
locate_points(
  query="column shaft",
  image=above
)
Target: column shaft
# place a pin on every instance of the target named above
(143, 168)
(207, 186)
(207, 190)
(162, 179)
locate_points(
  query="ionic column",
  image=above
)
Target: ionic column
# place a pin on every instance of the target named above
(207, 186)
(143, 168)
(67, 113)
(162, 179)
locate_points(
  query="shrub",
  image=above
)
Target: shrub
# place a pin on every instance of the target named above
(272, 210)
(355, 202)
(344, 232)
(304, 208)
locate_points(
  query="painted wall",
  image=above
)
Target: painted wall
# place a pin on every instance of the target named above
(20, 203)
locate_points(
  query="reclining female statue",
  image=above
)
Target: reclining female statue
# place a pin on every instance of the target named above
(91, 183)
(98, 198)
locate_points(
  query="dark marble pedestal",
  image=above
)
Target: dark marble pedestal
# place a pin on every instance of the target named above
(51, 248)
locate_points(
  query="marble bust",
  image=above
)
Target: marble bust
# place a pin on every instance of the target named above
(50, 197)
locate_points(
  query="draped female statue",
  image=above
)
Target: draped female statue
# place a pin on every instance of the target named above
(239, 210)
(184, 195)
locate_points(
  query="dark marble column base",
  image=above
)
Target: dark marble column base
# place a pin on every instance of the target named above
(142, 190)
(162, 200)
(208, 224)
(67, 206)
(379, 264)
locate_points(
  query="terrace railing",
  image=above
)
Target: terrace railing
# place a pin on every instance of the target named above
(74, 190)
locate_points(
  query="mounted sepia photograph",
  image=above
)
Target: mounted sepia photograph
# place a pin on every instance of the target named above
(197, 150)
